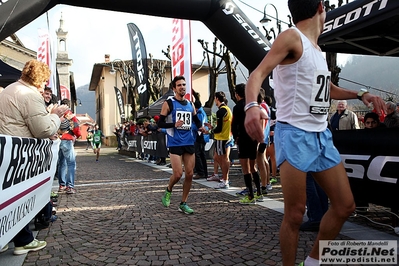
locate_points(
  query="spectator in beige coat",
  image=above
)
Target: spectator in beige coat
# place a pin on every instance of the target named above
(344, 119)
(23, 114)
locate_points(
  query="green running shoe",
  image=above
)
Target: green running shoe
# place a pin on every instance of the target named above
(184, 208)
(166, 198)
(245, 200)
(273, 180)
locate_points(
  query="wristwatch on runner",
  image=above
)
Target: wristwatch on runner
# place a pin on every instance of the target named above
(361, 93)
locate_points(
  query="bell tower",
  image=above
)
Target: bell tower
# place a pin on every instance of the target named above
(63, 62)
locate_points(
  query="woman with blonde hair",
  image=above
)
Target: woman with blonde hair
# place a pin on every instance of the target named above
(22, 110)
(35, 73)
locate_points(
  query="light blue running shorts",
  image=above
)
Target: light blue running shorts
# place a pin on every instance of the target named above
(306, 151)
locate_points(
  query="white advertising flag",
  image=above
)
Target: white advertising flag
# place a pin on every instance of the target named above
(45, 55)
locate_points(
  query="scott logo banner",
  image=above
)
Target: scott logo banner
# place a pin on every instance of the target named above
(153, 144)
(371, 160)
(27, 168)
(119, 101)
(140, 66)
(358, 14)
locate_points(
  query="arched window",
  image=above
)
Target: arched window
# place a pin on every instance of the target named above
(62, 46)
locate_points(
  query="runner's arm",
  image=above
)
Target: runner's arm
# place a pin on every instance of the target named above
(338, 93)
(162, 118)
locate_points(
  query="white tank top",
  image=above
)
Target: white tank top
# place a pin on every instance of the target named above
(302, 90)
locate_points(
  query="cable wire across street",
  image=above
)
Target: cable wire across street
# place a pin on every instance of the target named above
(367, 86)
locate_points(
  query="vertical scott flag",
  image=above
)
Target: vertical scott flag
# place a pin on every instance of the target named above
(121, 104)
(181, 52)
(45, 55)
(140, 66)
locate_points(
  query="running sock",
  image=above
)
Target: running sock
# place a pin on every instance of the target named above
(262, 147)
(311, 261)
(256, 178)
(248, 184)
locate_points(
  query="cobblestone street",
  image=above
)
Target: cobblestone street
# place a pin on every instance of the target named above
(117, 218)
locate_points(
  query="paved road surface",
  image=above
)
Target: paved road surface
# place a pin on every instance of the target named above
(116, 218)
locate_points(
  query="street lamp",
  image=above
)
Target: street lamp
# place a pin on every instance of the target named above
(265, 20)
(112, 71)
(75, 102)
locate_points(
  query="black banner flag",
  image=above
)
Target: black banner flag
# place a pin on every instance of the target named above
(121, 104)
(140, 66)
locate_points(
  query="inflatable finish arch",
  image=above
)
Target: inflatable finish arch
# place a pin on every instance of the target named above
(223, 17)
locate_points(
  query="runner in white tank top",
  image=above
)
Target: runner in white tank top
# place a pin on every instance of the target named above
(308, 109)
(303, 143)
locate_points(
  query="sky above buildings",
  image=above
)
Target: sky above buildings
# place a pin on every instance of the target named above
(93, 33)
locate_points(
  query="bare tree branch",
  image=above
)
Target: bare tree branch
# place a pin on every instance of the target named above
(220, 63)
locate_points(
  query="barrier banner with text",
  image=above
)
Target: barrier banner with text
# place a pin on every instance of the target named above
(27, 168)
(154, 144)
(370, 157)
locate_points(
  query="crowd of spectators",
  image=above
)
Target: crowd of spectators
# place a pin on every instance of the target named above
(144, 126)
